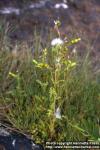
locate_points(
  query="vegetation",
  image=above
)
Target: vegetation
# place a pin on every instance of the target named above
(36, 86)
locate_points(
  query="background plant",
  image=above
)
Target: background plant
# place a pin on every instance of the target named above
(37, 85)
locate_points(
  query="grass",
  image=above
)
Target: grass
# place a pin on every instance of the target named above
(33, 86)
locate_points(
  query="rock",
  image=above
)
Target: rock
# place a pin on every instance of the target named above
(15, 141)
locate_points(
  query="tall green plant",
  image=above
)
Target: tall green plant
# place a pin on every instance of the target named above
(53, 97)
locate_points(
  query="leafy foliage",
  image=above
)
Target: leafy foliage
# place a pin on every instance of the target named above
(37, 86)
